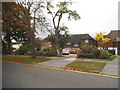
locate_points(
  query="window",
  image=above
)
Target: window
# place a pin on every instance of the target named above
(118, 39)
(86, 41)
(76, 45)
(68, 43)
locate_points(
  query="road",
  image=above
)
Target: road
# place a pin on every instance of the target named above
(23, 76)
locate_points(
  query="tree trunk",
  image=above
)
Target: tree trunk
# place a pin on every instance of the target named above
(9, 50)
(32, 47)
(57, 40)
(33, 55)
(31, 36)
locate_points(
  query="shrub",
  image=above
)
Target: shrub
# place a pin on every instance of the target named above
(23, 49)
(6, 50)
(50, 53)
(16, 52)
(113, 57)
(81, 55)
(28, 53)
(104, 54)
(86, 48)
(52, 49)
(89, 55)
(111, 52)
(97, 53)
(93, 48)
(45, 49)
(40, 53)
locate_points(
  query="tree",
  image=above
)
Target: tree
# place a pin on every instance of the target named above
(62, 9)
(32, 18)
(101, 39)
(64, 37)
(38, 43)
(12, 27)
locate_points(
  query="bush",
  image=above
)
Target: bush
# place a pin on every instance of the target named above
(111, 52)
(89, 55)
(16, 52)
(40, 53)
(81, 55)
(113, 57)
(23, 49)
(97, 53)
(46, 52)
(104, 54)
(45, 49)
(6, 50)
(85, 55)
(86, 48)
(28, 53)
(50, 53)
(93, 48)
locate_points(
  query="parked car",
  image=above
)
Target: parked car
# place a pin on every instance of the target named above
(73, 51)
(65, 52)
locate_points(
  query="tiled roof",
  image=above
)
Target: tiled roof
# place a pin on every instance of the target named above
(113, 35)
(77, 38)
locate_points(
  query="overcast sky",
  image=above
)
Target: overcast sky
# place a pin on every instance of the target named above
(96, 16)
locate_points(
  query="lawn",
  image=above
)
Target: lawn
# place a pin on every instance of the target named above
(22, 59)
(86, 65)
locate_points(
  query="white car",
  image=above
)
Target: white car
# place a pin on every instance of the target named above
(65, 52)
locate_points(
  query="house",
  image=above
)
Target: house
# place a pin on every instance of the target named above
(114, 43)
(78, 39)
(16, 45)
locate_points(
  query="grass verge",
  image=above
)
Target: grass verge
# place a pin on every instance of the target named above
(86, 65)
(22, 59)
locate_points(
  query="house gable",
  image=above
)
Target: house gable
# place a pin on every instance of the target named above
(78, 39)
(114, 43)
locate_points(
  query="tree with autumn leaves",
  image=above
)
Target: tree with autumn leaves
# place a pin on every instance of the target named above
(20, 20)
(101, 39)
(12, 27)
(23, 16)
(33, 18)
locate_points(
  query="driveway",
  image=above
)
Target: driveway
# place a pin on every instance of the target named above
(70, 55)
(22, 76)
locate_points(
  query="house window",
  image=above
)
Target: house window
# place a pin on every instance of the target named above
(118, 39)
(86, 41)
(76, 45)
(68, 43)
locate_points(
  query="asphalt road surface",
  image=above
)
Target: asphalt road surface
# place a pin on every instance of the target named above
(23, 76)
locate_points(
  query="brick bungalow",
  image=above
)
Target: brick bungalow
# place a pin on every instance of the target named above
(114, 43)
(78, 39)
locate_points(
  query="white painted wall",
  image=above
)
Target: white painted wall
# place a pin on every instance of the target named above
(111, 48)
(16, 46)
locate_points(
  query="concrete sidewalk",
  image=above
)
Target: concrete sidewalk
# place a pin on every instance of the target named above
(111, 67)
(58, 62)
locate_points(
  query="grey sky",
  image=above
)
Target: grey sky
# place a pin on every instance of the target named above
(96, 16)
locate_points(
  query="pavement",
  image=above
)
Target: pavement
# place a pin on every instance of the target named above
(58, 62)
(24, 76)
(111, 67)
